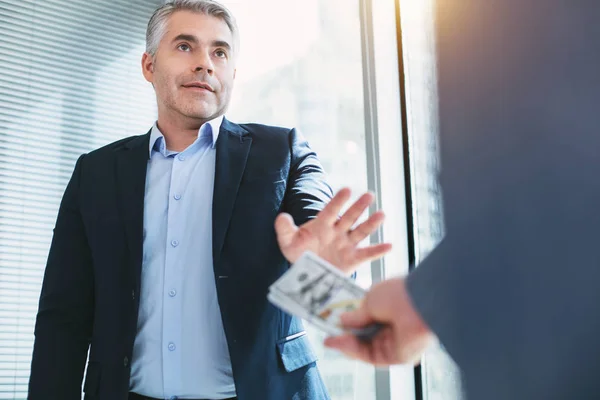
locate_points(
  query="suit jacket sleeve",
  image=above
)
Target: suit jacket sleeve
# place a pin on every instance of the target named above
(66, 307)
(307, 191)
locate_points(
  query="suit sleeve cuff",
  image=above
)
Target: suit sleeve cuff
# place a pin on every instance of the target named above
(432, 287)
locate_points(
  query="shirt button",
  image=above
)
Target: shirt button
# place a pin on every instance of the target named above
(171, 346)
(125, 361)
(174, 243)
(181, 157)
(177, 196)
(172, 292)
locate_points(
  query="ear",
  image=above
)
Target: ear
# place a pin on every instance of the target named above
(148, 67)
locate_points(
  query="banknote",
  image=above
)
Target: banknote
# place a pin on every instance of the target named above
(318, 292)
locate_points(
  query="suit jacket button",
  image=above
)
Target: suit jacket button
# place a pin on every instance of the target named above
(125, 361)
(133, 294)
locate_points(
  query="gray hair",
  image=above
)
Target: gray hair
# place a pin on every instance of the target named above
(158, 21)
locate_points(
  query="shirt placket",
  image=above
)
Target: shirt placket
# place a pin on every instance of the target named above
(172, 309)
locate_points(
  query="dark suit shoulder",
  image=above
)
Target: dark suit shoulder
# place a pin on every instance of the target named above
(274, 138)
(266, 131)
(97, 160)
(118, 145)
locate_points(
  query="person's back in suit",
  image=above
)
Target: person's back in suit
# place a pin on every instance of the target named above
(512, 291)
(164, 246)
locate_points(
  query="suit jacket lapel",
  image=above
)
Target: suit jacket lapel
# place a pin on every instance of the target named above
(233, 146)
(132, 161)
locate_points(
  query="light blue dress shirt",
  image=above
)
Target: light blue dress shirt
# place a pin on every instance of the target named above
(180, 350)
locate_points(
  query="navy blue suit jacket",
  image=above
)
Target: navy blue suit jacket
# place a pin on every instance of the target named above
(92, 279)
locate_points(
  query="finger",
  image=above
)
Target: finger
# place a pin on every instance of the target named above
(354, 348)
(329, 215)
(384, 350)
(285, 228)
(348, 344)
(371, 253)
(356, 319)
(355, 211)
(367, 228)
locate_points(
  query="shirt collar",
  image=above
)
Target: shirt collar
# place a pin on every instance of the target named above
(215, 127)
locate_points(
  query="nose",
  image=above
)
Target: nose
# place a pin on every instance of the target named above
(204, 63)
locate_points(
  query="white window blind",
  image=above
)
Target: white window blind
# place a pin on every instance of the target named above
(70, 81)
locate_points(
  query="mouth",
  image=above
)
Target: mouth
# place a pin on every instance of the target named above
(202, 86)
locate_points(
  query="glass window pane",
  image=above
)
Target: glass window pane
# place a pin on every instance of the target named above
(440, 376)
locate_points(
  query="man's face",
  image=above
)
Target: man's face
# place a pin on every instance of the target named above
(193, 69)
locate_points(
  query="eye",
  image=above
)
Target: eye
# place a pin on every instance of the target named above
(184, 47)
(221, 53)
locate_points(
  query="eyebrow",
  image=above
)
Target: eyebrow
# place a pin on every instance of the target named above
(194, 39)
(221, 43)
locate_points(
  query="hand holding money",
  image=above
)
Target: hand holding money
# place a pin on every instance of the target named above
(405, 335)
(333, 238)
(380, 326)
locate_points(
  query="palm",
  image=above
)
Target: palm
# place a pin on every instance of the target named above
(331, 237)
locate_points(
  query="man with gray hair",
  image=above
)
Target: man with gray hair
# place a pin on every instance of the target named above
(164, 246)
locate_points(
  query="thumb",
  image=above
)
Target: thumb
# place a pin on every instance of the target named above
(285, 228)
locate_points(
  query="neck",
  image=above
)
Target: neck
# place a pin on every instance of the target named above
(179, 134)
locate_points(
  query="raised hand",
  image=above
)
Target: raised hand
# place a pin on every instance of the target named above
(333, 238)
